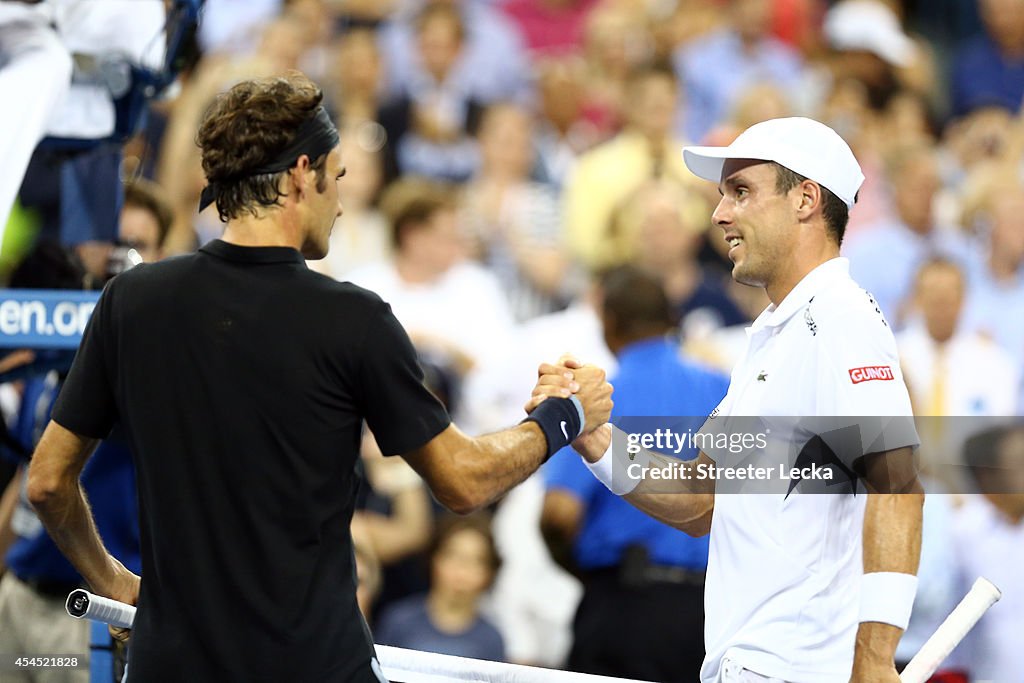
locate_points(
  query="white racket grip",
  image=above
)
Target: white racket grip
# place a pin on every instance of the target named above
(983, 594)
(81, 604)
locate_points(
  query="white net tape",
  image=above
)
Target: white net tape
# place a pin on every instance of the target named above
(411, 666)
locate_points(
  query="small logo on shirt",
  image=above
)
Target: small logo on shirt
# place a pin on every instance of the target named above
(564, 433)
(812, 326)
(878, 309)
(871, 372)
(762, 376)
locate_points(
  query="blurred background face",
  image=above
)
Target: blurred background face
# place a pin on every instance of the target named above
(1004, 21)
(562, 93)
(605, 39)
(1008, 226)
(906, 119)
(664, 240)
(652, 101)
(140, 230)
(863, 66)
(438, 244)
(283, 43)
(462, 567)
(751, 18)
(439, 44)
(760, 103)
(940, 295)
(506, 144)
(358, 62)
(983, 134)
(915, 184)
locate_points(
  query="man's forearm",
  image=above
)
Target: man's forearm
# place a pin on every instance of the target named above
(892, 543)
(59, 501)
(495, 463)
(466, 473)
(68, 519)
(685, 502)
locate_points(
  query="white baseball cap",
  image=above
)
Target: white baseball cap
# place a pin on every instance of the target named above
(869, 25)
(802, 145)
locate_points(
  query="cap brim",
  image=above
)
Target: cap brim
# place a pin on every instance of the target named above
(706, 162)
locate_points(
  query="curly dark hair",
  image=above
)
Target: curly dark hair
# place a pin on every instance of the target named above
(245, 128)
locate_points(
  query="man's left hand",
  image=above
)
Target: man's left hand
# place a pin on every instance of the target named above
(123, 587)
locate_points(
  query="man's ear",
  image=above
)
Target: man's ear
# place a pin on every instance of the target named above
(810, 198)
(298, 172)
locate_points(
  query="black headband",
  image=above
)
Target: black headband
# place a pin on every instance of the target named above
(316, 136)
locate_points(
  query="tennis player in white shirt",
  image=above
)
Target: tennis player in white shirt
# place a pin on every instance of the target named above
(800, 588)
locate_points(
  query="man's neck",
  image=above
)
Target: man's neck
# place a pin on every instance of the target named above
(275, 228)
(779, 289)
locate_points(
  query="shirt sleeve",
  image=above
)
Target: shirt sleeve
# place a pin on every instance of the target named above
(401, 412)
(86, 404)
(859, 382)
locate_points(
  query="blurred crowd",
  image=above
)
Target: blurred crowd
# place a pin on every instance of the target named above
(504, 156)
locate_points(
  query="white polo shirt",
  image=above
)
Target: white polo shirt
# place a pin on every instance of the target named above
(784, 574)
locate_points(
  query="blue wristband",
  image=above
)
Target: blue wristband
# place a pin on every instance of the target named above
(561, 420)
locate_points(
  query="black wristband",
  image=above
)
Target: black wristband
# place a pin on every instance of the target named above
(561, 420)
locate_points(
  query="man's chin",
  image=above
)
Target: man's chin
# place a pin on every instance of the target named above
(743, 276)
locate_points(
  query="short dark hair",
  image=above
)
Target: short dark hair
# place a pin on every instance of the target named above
(834, 209)
(245, 128)
(148, 196)
(410, 202)
(450, 524)
(636, 301)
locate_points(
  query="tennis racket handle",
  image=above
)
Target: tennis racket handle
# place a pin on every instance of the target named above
(81, 604)
(983, 594)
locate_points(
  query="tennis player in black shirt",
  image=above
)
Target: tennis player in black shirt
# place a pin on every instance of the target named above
(242, 379)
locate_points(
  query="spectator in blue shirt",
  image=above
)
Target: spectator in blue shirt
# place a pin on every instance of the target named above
(447, 620)
(718, 68)
(989, 70)
(648, 575)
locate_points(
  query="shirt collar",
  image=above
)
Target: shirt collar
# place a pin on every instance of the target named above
(234, 252)
(828, 273)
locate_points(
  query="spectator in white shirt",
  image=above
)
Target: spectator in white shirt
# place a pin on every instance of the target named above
(453, 309)
(988, 534)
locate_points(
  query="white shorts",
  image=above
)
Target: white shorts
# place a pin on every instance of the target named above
(734, 673)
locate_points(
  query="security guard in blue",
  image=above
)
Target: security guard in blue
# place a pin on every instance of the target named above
(642, 612)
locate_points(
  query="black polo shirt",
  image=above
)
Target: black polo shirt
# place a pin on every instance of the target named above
(242, 379)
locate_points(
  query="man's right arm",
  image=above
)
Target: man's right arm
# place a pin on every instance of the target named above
(685, 502)
(467, 473)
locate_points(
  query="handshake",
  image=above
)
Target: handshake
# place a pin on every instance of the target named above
(588, 383)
